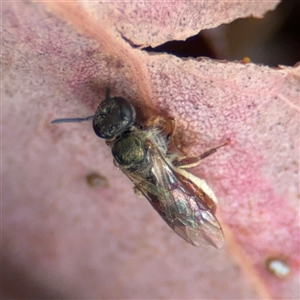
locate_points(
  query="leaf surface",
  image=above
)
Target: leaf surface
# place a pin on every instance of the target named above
(65, 237)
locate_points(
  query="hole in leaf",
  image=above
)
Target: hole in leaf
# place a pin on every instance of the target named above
(271, 40)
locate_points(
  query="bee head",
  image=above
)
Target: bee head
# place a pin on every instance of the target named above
(113, 116)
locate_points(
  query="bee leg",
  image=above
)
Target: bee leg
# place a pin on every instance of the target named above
(165, 125)
(186, 162)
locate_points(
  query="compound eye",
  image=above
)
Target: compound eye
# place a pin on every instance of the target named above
(126, 110)
(105, 131)
(99, 131)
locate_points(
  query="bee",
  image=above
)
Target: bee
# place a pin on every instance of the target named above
(142, 153)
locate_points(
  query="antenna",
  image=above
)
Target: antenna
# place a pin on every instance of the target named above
(76, 120)
(72, 120)
(107, 97)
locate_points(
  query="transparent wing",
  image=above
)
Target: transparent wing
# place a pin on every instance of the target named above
(182, 209)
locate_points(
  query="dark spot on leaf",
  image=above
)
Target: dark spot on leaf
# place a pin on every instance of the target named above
(95, 179)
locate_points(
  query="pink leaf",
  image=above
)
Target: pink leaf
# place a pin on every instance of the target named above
(67, 235)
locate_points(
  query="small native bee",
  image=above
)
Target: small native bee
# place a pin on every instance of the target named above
(185, 202)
